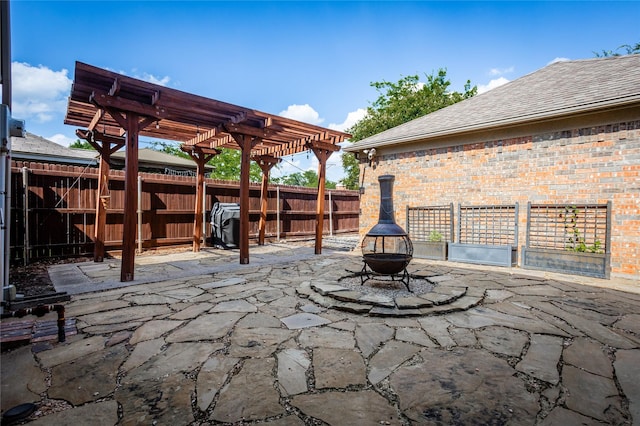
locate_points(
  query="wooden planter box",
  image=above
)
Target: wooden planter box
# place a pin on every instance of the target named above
(567, 262)
(484, 254)
(430, 250)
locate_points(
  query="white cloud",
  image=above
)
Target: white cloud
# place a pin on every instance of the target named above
(496, 82)
(61, 139)
(145, 76)
(304, 113)
(352, 118)
(559, 59)
(39, 93)
(155, 80)
(500, 71)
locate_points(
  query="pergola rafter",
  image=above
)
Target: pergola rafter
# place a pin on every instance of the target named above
(109, 106)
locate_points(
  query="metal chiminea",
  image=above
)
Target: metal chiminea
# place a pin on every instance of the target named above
(386, 248)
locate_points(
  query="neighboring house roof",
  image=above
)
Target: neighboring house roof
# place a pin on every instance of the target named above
(559, 89)
(37, 148)
(149, 158)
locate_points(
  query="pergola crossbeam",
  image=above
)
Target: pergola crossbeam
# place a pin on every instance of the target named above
(105, 100)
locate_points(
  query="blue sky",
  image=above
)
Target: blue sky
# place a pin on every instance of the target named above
(313, 61)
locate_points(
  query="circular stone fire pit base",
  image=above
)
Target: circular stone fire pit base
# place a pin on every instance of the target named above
(384, 297)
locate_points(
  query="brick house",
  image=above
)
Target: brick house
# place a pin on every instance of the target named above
(566, 134)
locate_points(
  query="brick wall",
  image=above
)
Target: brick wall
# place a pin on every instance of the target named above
(575, 166)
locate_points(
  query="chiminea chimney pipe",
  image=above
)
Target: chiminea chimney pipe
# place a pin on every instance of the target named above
(386, 214)
(386, 225)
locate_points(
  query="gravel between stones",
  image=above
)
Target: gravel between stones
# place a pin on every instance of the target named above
(387, 287)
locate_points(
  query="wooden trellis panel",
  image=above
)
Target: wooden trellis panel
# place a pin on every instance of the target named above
(580, 228)
(429, 222)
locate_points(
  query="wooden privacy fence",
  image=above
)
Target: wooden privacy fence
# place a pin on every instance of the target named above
(53, 210)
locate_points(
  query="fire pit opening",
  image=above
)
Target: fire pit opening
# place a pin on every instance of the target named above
(386, 248)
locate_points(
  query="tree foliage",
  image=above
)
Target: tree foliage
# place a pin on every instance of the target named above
(81, 145)
(398, 103)
(406, 100)
(308, 178)
(171, 148)
(628, 48)
(226, 165)
(352, 171)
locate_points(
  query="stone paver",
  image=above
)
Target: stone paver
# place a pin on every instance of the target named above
(212, 376)
(292, 371)
(542, 359)
(592, 395)
(198, 339)
(250, 395)
(100, 413)
(338, 368)
(366, 408)
(463, 386)
(627, 366)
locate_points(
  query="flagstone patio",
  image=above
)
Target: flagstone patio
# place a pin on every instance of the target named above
(198, 339)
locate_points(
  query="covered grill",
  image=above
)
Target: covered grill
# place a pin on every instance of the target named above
(386, 248)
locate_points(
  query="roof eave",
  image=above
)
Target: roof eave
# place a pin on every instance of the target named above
(512, 121)
(22, 156)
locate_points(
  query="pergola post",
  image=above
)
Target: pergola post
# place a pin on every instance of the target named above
(130, 198)
(102, 197)
(131, 124)
(201, 158)
(266, 163)
(246, 143)
(323, 151)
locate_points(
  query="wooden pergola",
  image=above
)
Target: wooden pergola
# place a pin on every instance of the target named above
(114, 110)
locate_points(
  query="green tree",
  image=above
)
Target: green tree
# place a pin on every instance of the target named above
(81, 145)
(172, 148)
(308, 179)
(397, 104)
(628, 48)
(351, 179)
(226, 165)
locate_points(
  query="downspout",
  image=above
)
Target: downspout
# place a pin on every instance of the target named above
(25, 215)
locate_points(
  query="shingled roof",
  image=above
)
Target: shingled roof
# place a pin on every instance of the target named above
(36, 148)
(559, 89)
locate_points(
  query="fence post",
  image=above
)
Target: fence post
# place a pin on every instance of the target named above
(278, 213)
(204, 212)
(139, 213)
(330, 215)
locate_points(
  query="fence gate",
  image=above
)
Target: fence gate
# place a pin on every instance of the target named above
(486, 235)
(430, 229)
(572, 239)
